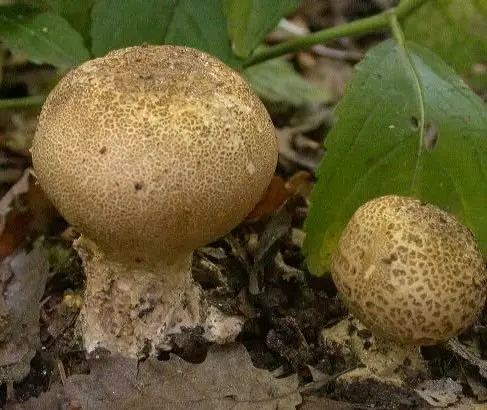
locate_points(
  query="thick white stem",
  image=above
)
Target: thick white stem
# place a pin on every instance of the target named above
(133, 310)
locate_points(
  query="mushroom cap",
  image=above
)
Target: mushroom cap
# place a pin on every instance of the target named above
(409, 271)
(153, 151)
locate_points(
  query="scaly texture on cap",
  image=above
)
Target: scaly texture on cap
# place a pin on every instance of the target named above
(409, 271)
(154, 150)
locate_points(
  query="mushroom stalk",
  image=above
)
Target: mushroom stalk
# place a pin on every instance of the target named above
(136, 308)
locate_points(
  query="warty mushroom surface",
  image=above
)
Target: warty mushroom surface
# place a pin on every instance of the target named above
(411, 272)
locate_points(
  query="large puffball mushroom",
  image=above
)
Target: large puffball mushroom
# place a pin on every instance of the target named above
(409, 271)
(151, 152)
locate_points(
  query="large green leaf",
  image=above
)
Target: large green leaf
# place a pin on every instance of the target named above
(117, 24)
(382, 144)
(76, 12)
(45, 37)
(250, 20)
(454, 29)
(277, 81)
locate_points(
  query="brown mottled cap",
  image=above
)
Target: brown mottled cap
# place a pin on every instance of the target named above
(409, 271)
(153, 151)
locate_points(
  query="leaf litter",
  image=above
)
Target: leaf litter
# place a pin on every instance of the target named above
(225, 379)
(22, 281)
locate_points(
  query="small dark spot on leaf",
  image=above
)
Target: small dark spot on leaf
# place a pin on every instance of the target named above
(414, 123)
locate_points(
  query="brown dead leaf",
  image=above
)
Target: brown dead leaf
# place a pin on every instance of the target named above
(23, 209)
(13, 219)
(15, 228)
(273, 198)
(300, 184)
(461, 351)
(22, 283)
(440, 393)
(322, 403)
(478, 388)
(279, 192)
(226, 379)
(8, 200)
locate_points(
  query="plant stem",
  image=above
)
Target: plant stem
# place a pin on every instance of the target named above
(24, 102)
(396, 30)
(382, 20)
(1, 64)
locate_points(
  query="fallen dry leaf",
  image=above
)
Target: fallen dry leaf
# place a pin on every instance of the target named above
(460, 350)
(279, 192)
(23, 209)
(322, 403)
(273, 198)
(440, 393)
(478, 388)
(300, 184)
(6, 203)
(15, 228)
(22, 282)
(225, 380)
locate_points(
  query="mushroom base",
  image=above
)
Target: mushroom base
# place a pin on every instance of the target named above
(134, 311)
(383, 359)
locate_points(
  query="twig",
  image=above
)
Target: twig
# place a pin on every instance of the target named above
(353, 28)
(295, 31)
(35, 100)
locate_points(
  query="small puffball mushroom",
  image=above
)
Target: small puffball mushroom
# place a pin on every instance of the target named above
(151, 152)
(409, 271)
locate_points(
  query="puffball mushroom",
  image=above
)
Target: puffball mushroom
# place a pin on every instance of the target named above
(409, 271)
(151, 152)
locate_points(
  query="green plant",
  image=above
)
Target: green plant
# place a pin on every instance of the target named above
(408, 124)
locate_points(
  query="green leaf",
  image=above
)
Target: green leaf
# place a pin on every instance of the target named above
(61, 6)
(382, 144)
(250, 20)
(455, 29)
(45, 37)
(117, 24)
(76, 12)
(276, 81)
